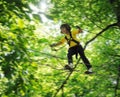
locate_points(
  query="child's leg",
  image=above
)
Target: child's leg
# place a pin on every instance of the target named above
(83, 57)
(71, 52)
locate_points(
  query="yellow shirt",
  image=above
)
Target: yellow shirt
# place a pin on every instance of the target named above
(72, 43)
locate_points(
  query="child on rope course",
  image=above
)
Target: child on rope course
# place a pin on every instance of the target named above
(74, 46)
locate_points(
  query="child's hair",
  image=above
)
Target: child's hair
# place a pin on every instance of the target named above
(67, 26)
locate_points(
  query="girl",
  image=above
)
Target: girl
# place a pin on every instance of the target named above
(74, 46)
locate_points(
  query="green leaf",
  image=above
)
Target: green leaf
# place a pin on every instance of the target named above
(43, 40)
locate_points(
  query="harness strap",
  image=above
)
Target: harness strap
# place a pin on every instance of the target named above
(71, 39)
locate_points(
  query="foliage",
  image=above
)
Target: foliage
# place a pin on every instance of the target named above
(30, 68)
(94, 16)
(16, 38)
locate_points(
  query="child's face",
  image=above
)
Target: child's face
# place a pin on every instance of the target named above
(64, 30)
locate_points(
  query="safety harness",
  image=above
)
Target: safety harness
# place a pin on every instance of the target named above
(72, 39)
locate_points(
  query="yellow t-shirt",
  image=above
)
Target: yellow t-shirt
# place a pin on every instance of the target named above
(72, 43)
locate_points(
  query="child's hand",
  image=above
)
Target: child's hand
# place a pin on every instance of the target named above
(52, 45)
(78, 27)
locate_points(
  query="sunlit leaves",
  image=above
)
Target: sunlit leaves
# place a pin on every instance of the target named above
(16, 36)
(30, 68)
(43, 40)
(103, 53)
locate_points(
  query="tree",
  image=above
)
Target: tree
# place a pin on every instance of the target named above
(30, 68)
(16, 38)
(100, 18)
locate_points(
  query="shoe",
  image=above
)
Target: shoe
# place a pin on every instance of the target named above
(88, 72)
(68, 67)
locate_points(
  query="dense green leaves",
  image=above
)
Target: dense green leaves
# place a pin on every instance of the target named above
(29, 67)
(16, 37)
(94, 16)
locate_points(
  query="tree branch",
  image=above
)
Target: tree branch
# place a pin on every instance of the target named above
(63, 84)
(117, 81)
(67, 78)
(98, 34)
(47, 54)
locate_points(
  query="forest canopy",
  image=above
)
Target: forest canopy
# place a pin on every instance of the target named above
(29, 67)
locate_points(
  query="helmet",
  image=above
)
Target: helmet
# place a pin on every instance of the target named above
(65, 26)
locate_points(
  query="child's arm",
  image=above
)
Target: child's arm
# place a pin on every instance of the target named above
(63, 40)
(79, 29)
(56, 44)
